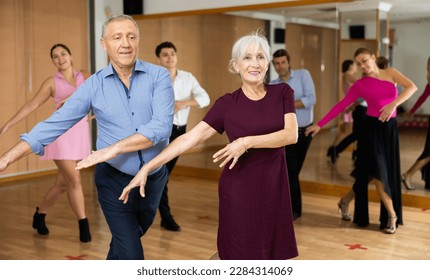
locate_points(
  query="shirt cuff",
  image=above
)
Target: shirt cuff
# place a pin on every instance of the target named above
(35, 145)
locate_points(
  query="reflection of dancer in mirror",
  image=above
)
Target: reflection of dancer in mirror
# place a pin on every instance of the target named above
(378, 145)
(349, 76)
(422, 163)
(255, 215)
(67, 149)
(359, 114)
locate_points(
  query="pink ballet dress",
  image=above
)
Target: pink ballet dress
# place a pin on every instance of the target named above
(75, 143)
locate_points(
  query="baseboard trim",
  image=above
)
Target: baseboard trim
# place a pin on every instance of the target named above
(32, 175)
(409, 199)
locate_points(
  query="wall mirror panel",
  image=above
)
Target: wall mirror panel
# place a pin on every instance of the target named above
(204, 45)
(319, 38)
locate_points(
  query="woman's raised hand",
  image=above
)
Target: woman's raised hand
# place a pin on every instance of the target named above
(232, 151)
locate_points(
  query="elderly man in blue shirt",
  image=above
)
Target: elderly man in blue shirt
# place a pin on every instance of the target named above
(133, 103)
(304, 95)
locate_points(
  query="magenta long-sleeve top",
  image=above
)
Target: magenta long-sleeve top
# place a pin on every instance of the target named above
(421, 99)
(376, 92)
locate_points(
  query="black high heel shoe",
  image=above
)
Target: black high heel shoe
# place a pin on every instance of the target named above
(391, 225)
(406, 183)
(331, 152)
(84, 230)
(39, 223)
(343, 209)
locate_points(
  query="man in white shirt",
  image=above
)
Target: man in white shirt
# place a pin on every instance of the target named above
(188, 92)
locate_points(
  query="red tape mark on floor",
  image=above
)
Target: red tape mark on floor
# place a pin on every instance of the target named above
(81, 257)
(203, 217)
(355, 246)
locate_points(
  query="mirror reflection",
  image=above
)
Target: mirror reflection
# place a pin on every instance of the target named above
(319, 38)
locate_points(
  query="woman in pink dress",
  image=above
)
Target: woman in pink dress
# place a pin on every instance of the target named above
(378, 145)
(72, 146)
(255, 214)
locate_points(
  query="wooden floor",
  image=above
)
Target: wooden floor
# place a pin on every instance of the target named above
(320, 233)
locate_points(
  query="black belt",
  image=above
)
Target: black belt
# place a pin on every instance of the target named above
(178, 127)
(302, 129)
(113, 170)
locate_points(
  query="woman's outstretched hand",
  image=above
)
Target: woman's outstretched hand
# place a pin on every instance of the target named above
(312, 130)
(138, 181)
(232, 151)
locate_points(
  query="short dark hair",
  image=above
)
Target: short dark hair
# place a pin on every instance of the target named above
(382, 62)
(281, 53)
(346, 64)
(61, 46)
(164, 45)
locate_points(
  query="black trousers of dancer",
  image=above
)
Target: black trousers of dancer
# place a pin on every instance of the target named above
(358, 116)
(295, 155)
(425, 170)
(164, 202)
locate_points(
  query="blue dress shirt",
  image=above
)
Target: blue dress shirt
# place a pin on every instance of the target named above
(147, 108)
(304, 89)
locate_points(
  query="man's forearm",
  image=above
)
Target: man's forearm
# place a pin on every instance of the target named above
(132, 143)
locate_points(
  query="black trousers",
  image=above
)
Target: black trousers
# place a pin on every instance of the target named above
(164, 202)
(358, 116)
(295, 155)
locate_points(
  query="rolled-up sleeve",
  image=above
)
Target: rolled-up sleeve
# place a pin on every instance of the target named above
(160, 125)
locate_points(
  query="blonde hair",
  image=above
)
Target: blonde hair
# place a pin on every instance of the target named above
(256, 39)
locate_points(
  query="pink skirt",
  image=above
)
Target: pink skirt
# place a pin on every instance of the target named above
(347, 117)
(72, 145)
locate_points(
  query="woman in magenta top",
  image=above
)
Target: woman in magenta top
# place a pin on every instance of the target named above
(255, 214)
(424, 158)
(67, 149)
(378, 152)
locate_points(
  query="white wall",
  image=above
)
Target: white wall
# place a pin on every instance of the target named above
(275, 46)
(410, 53)
(103, 9)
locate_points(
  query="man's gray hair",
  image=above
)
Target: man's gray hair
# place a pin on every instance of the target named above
(118, 17)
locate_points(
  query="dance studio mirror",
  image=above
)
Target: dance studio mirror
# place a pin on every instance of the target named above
(318, 37)
(373, 27)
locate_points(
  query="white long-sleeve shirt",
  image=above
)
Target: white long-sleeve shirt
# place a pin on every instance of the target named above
(185, 87)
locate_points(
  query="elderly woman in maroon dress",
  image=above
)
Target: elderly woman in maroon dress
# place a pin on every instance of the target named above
(255, 218)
